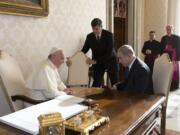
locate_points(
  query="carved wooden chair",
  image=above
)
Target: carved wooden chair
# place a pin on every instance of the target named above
(78, 76)
(13, 84)
(162, 77)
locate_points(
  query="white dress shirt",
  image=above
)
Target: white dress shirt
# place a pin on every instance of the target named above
(45, 82)
(98, 36)
(130, 65)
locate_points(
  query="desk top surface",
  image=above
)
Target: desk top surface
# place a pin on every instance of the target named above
(125, 110)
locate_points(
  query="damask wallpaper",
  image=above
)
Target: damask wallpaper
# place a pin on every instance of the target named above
(30, 39)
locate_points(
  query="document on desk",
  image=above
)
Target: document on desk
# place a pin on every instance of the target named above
(26, 119)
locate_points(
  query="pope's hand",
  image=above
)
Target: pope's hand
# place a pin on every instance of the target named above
(68, 91)
(68, 62)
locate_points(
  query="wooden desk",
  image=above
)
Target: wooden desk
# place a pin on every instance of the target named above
(129, 114)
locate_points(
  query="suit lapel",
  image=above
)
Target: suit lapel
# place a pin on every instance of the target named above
(132, 68)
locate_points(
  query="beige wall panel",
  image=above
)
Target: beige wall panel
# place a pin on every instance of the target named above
(138, 25)
(155, 17)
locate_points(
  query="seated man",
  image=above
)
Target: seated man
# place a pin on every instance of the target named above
(138, 75)
(47, 79)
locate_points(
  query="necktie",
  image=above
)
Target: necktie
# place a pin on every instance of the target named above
(98, 37)
(126, 72)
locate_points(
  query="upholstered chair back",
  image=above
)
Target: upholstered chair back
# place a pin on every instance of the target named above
(162, 75)
(78, 71)
(11, 80)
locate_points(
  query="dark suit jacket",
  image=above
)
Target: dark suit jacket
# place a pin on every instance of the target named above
(102, 50)
(154, 46)
(138, 78)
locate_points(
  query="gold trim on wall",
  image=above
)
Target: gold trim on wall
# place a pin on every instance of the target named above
(37, 8)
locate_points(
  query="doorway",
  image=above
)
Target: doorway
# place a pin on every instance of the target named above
(120, 27)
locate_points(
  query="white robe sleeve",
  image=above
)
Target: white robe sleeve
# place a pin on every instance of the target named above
(46, 83)
(62, 86)
(53, 82)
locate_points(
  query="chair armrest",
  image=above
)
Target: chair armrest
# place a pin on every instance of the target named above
(26, 99)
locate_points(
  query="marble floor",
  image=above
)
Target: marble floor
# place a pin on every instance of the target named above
(173, 111)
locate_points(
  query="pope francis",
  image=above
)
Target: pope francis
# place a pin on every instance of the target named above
(45, 81)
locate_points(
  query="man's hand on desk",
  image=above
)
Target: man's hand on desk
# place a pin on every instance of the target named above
(114, 87)
(68, 91)
(90, 61)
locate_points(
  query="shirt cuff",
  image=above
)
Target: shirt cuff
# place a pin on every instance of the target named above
(62, 86)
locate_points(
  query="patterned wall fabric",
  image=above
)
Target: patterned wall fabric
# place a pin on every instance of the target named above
(29, 39)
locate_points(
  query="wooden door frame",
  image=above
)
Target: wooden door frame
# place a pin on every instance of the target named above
(110, 15)
(131, 27)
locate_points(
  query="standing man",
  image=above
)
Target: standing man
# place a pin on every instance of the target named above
(151, 50)
(104, 58)
(170, 43)
(138, 76)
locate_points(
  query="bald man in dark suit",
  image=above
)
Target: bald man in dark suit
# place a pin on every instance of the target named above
(138, 77)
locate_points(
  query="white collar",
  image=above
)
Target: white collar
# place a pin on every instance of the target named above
(98, 35)
(130, 65)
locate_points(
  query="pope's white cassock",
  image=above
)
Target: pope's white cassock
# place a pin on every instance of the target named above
(45, 82)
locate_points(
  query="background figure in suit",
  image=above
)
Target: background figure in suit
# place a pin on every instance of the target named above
(138, 75)
(101, 43)
(170, 44)
(151, 50)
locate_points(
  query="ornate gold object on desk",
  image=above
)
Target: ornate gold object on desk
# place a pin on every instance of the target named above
(51, 124)
(85, 122)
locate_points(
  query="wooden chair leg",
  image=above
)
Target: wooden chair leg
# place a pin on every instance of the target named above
(89, 83)
(163, 120)
(156, 131)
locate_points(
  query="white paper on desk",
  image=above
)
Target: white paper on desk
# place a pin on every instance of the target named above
(27, 121)
(69, 100)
